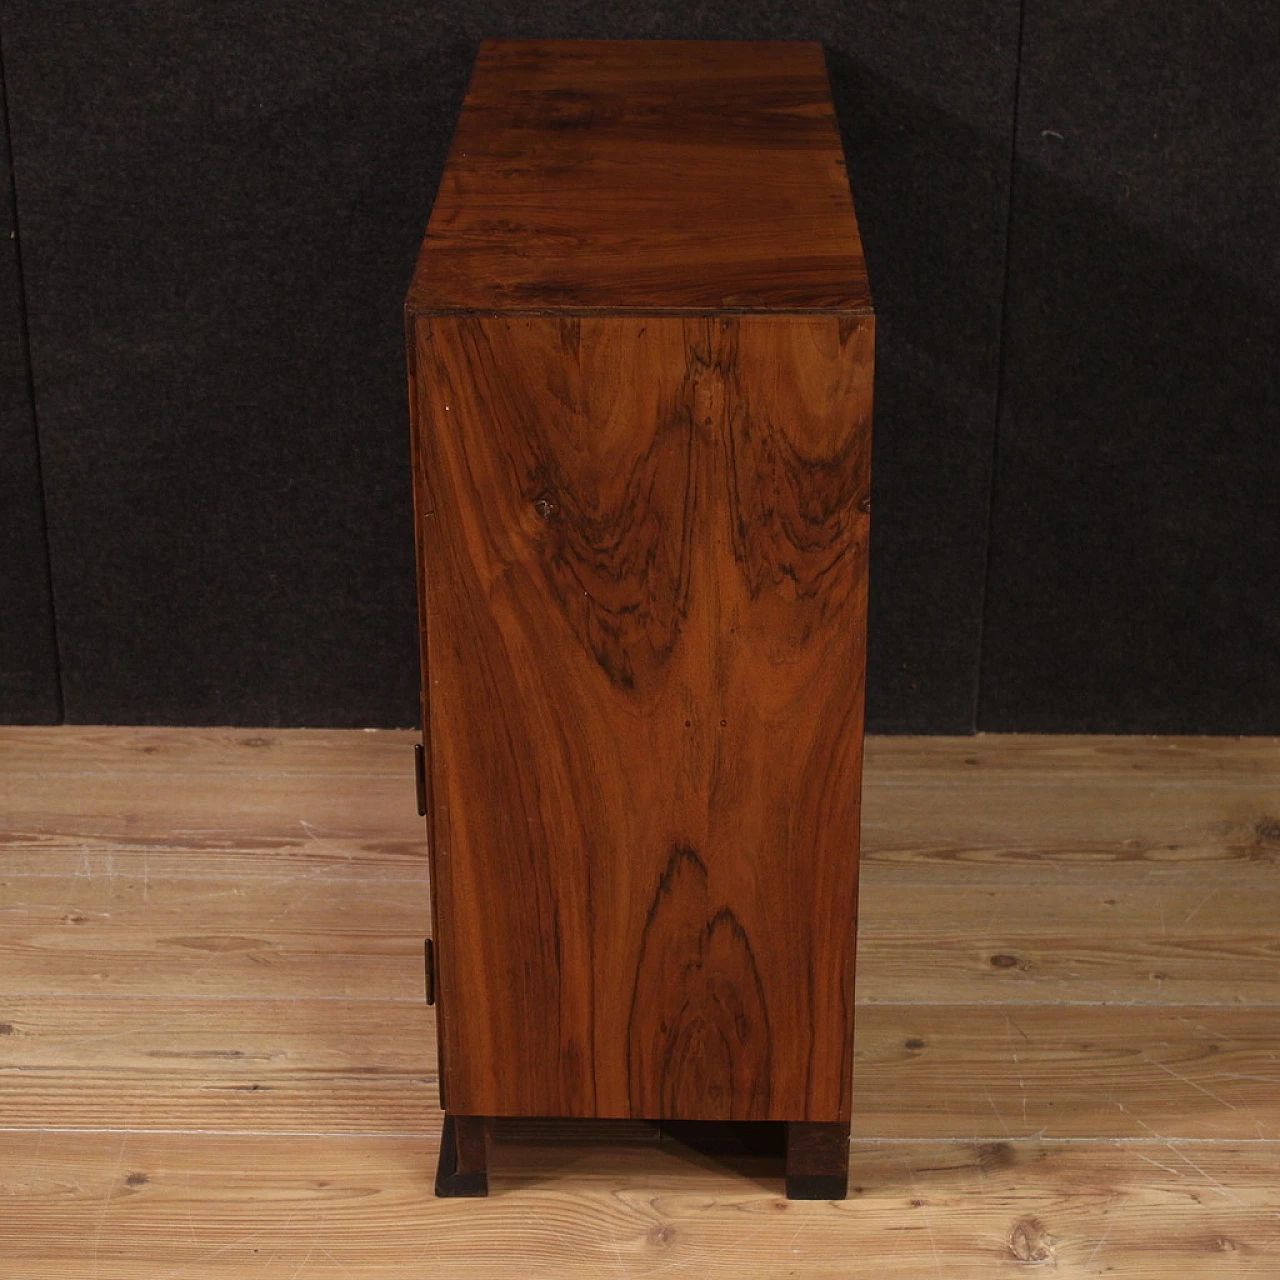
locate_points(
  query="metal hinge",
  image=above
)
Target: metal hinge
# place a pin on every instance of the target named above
(429, 956)
(420, 771)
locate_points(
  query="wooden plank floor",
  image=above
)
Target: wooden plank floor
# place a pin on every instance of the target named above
(215, 1060)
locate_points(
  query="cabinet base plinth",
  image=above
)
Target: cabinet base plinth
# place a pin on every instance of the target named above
(814, 1186)
(464, 1157)
(815, 1153)
(817, 1160)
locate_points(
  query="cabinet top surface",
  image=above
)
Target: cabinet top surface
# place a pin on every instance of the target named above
(598, 175)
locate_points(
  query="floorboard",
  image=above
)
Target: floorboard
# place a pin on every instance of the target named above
(134, 1205)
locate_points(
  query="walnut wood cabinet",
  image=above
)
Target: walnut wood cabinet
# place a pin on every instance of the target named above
(640, 344)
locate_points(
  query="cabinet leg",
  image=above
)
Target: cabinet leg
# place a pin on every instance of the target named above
(817, 1160)
(464, 1156)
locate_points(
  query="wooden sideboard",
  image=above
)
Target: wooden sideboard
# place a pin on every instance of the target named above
(640, 343)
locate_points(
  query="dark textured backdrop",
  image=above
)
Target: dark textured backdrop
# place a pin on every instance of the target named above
(1069, 214)
(28, 663)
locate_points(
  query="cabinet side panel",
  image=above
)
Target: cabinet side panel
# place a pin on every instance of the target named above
(645, 605)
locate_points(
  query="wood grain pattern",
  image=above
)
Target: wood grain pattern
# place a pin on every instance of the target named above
(1183, 768)
(1079, 1072)
(1068, 942)
(644, 174)
(43, 755)
(1075, 830)
(156, 934)
(202, 1064)
(645, 548)
(154, 806)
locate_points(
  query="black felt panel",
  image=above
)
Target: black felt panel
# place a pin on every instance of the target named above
(1136, 541)
(222, 205)
(28, 661)
(931, 192)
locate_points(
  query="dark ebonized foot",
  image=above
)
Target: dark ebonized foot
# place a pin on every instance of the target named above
(464, 1157)
(817, 1160)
